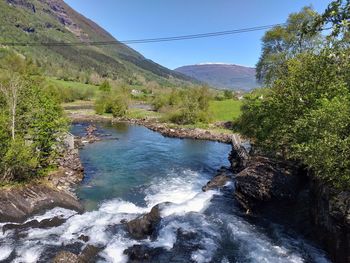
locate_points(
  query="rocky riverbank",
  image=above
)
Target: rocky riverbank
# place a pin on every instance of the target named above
(165, 129)
(178, 132)
(19, 202)
(287, 194)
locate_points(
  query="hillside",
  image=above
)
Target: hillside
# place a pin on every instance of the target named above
(54, 21)
(222, 76)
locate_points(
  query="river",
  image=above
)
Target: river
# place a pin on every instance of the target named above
(126, 177)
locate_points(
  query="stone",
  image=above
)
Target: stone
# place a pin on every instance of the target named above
(66, 257)
(264, 180)
(145, 225)
(219, 181)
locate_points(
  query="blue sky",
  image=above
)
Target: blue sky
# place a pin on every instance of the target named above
(137, 19)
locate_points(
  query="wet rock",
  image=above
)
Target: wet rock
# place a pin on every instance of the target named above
(84, 238)
(45, 223)
(145, 225)
(66, 257)
(265, 180)
(330, 212)
(143, 253)
(220, 180)
(88, 255)
(19, 203)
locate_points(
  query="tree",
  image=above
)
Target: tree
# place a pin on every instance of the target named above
(337, 16)
(284, 42)
(31, 120)
(304, 116)
(11, 91)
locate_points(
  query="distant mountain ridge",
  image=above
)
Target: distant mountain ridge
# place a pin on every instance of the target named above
(222, 75)
(33, 21)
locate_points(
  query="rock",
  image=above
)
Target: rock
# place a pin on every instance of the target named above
(145, 225)
(265, 180)
(220, 180)
(23, 3)
(330, 212)
(45, 223)
(88, 255)
(143, 253)
(66, 257)
(84, 238)
(18, 203)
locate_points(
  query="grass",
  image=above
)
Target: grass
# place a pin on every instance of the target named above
(226, 110)
(71, 84)
(141, 114)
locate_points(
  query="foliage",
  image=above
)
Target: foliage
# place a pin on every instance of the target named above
(184, 106)
(284, 42)
(337, 15)
(105, 86)
(115, 102)
(305, 115)
(31, 120)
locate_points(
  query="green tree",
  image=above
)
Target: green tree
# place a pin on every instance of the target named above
(284, 42)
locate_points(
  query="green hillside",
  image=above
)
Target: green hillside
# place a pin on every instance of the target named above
(54, 21)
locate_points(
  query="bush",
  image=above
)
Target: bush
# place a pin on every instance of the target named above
(115, 103)
(105, 86)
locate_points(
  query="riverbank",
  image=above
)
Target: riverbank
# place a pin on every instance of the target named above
(286, 193)
(55, 190)
(166, 129)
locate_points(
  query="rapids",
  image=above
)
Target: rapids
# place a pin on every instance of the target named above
(126, 178)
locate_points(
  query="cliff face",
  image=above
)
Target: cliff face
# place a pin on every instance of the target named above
(283, 190)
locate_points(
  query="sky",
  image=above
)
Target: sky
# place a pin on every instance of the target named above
(139, 19)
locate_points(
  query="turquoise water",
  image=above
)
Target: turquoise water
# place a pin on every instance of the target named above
(132, 170)
(121, 168)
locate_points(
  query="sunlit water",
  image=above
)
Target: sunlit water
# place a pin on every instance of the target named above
(127, 177)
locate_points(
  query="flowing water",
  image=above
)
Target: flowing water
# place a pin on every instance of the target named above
(126, 178)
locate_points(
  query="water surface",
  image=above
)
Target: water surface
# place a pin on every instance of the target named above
(127, 177)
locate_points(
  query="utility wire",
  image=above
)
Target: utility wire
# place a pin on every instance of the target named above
(143, 41)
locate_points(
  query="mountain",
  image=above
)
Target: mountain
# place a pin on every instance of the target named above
(222, 76)
(33, 21)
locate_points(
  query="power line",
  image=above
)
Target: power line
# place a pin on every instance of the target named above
(143, 41)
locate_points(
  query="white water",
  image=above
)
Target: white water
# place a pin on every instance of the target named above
(189, 212)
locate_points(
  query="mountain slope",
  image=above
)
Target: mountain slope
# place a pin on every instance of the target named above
(54, 21)
(223, 76)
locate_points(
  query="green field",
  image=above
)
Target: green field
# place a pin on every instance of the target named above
(71, 84)
(226, 110)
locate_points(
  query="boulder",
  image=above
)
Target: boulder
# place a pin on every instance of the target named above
(66, 257)
(220, 180)
(266, 180)
(16, 204)
(145, 225)
(88, 255)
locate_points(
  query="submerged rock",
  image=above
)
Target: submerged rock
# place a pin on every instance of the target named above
(144, 225)
(220, 180)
